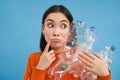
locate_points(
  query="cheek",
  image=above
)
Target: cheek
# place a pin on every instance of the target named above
(47, 35)
(66, 35)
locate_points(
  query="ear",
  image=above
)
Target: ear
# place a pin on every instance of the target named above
(43, 30)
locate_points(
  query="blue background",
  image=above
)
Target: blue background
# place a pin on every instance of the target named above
(20, 29)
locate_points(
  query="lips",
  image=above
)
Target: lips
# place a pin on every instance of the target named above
(56, 40)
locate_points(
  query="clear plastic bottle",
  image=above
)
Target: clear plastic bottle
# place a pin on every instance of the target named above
(107, 53)
(84, 39)
(60, 67)
(89, 39)
(80, 29)
(77, 33)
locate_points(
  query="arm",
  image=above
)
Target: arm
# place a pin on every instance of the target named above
(107, 77)
(32, 73)
(38, 64)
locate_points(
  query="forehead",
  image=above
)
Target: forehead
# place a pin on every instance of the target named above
(56, 17)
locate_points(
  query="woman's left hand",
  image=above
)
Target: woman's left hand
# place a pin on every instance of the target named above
(94, 63)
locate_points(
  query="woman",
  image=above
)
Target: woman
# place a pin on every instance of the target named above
(56, 27)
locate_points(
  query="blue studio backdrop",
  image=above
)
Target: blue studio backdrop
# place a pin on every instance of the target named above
(20, 30)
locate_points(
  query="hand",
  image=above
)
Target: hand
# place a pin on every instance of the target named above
(46, 58)
(94, 63)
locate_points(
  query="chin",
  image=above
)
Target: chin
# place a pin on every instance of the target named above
(56, 45)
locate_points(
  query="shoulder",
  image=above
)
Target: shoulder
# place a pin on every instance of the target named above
(35, 55)
(34, 58)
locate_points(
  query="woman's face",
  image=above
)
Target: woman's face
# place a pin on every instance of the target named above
(56, 28)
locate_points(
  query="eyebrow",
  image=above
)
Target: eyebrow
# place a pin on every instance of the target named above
(49, 20)
(60, 21)
(64, 21)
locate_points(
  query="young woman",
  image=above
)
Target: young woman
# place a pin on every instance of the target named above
(56, 27)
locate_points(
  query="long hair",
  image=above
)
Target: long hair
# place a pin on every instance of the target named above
(53, 9)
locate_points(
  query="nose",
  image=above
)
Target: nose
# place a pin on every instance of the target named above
(56, 32)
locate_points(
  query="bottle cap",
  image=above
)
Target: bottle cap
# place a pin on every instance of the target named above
(81, 24)
(92, 29)
(113, 48)
(63, 66)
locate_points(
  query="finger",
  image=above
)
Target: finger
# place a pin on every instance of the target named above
(87, 58)
(86, 65)
(47, 46)
(51, 52)
(89, 54)
(52, 55)
(98, 56)
(88, 68)
(85, 62)
(53, 59)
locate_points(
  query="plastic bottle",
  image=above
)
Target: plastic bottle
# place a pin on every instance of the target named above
(60, 67)
(108, 52)
(80, 29)
(88, 44)
(69, 62)
(89, 39)
(77, 33)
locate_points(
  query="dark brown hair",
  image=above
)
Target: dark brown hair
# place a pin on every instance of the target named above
(54, 9)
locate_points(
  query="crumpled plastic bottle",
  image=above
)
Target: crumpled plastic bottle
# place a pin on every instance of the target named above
(87, 44)
(60, 67)
(64, 64)
(68, 61)
(107, 53)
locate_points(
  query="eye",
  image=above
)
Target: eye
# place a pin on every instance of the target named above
(63, 26)
(50, 25)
